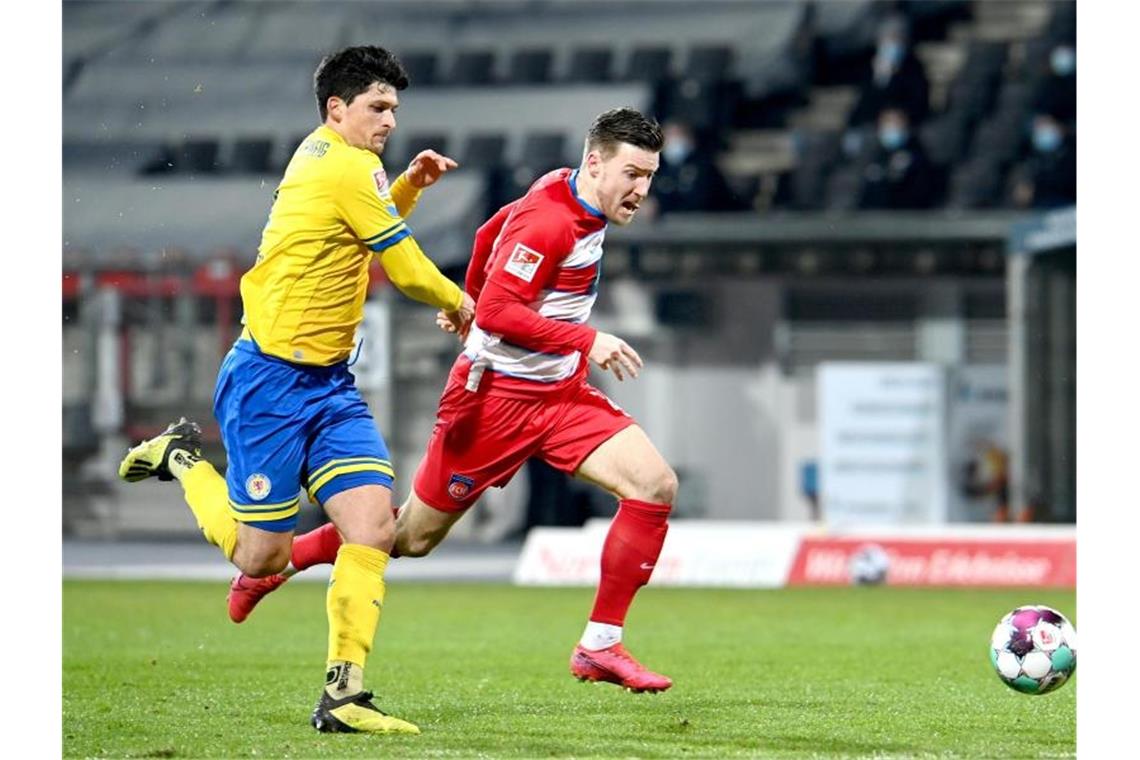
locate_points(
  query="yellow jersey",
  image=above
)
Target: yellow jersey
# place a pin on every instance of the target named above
(334, 209)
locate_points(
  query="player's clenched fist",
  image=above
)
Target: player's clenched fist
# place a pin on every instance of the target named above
(458, 321)
(612, 353)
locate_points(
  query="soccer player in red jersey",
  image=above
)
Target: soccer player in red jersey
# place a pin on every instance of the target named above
(519, 388)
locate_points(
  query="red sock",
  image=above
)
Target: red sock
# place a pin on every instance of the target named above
(317, 547)
(628, 557)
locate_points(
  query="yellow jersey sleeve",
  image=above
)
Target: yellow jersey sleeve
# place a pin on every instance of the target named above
(364, 200)
(417, 277)
(406, 195)
(366, 203)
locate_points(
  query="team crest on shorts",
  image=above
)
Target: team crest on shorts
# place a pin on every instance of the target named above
(459, 486)
(258, 486)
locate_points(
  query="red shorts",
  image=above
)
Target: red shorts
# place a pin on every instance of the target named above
(481, 440)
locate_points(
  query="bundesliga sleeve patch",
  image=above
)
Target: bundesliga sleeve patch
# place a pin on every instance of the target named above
(524, 262)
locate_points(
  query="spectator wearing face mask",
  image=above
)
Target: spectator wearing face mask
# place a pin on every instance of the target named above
(1048, 179)
(899, 175)
(1056, 93)
(688, 178)
(897, 79)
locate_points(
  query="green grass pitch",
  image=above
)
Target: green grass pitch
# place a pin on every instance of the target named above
(157, 670)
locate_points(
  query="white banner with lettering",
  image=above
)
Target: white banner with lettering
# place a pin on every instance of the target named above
(882, 443)
(696, 553)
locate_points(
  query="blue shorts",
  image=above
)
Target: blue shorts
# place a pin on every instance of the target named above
(289, 426)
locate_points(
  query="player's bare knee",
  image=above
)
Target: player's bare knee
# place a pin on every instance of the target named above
(378, 536)
(263, 565)
(661, 488)
(417, 545)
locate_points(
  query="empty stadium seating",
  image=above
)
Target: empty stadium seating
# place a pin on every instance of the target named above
(224, 89)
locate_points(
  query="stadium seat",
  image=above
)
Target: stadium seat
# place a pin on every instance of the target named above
(412, 145)
(820, 146)
(944, 138)
(1037, 53)
(1063, 23)
(807, 185)
(543, 151)
(842, 188)
(529, 66)
(706, 105)
(292, 143)
(252, 156)
(484, 151)
(998, 139)
(985, 58)
(109, 156)
(422, 67)
(930, 19)
(590, 64)
(1014, 97)
(970, 100)
(709, 63)
(472, 67)
(197, 156)
(649, 64)
(975, 184)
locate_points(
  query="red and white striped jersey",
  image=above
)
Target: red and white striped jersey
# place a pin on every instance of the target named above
(546, 255)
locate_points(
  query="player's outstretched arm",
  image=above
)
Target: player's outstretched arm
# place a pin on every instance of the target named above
(416, 276)
(458, 321)
(423, 172)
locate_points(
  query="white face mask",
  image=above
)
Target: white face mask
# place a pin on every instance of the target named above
(1063, 61)
(677, 151)
(891, 52)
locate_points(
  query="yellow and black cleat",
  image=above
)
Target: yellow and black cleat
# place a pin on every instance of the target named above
(151, 458)
(356, 714)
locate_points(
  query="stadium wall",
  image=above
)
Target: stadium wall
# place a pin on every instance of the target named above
(774, 555)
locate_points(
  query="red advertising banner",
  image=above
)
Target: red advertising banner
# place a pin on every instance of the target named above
(940, 561)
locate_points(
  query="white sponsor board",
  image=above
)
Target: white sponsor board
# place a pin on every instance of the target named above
(772, 555)
(882, 443)
(696, 553)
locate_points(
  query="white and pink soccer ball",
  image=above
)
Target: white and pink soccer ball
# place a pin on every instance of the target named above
(1034, 649)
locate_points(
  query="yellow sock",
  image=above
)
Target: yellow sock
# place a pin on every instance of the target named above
(354, 600)
(209, 500)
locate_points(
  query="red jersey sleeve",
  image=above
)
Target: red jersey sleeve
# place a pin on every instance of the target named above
(531, 245)
(485, 238)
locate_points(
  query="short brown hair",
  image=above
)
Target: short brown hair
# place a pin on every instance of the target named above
(624, 125)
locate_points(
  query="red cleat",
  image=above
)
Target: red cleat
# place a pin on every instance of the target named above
(246, 592)
(616, 665)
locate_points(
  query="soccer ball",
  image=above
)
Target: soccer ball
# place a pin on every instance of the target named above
(1034, 649)
(869, 565)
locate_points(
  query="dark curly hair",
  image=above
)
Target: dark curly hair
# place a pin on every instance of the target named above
(624, 125)
(351, 71)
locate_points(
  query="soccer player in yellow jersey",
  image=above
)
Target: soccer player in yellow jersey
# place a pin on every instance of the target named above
(290, 414)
